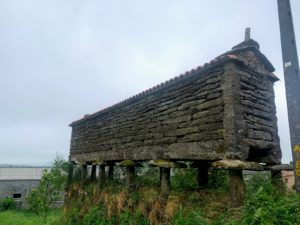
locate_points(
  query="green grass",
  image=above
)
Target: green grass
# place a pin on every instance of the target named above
(24, 217)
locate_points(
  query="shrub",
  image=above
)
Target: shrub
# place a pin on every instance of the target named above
(49, 189)
(268, 206)
(265, 205)
(7, 203)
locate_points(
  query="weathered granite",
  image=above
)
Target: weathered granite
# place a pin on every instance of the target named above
(223, 110)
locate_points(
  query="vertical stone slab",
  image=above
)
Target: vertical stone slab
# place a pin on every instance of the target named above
(83, 174)
(130, 168)
(130, 177)
(70, 173)
(165, 183)
(101, 180)
(111, 171)
(277, 180)
(160, 173)
(234, 126)
(237, 188)
(93, 173)
(202, 176)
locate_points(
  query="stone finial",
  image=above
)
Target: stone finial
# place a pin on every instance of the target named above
(248, 42)
(247, 34)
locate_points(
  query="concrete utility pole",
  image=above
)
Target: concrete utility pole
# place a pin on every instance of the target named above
(292, 80)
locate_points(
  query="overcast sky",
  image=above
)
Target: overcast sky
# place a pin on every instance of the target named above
(62, 59)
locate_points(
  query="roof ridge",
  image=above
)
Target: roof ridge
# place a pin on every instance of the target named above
(213, 62)
(264, 60)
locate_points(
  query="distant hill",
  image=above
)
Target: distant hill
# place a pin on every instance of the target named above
(24, 165)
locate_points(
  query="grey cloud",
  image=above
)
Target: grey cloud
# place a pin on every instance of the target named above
(60, 60)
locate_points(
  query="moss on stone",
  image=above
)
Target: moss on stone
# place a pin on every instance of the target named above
(232, 164)
(166, 164)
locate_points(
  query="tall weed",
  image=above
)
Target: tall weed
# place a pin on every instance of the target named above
(266, 205)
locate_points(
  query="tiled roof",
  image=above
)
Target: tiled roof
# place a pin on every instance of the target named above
(230, 55)
(217, 61)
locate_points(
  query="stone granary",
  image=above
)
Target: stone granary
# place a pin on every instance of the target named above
(221, 114)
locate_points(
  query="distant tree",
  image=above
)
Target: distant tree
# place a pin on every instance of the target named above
(50, 188)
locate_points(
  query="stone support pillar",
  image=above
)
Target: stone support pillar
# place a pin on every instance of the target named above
(83, 174)
(165, 173)
(130, 176)
(111, 171)
(202, 172)
(101, 180)
(237, 188)
(165, 183)
(277, 181)
(276, 174)
(235, 169)
(202, 176)
(93, 173)
(130, 169)
(160, 173)
(70, 173)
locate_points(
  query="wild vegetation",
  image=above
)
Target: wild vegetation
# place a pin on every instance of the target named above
(40, 200)
(187, 204)
(50, 188)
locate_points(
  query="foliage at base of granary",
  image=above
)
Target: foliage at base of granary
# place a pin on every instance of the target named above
(266, 205)
(115, 204)
(141, 207)
(186, 204)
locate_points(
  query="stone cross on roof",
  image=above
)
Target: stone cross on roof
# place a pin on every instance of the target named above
(247, 34)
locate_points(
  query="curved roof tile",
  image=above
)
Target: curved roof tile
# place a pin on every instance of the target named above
(214, 62)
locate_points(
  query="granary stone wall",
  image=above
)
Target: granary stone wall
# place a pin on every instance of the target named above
(259, 112)
(256, 106)
(224, 109)
(189, 111)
